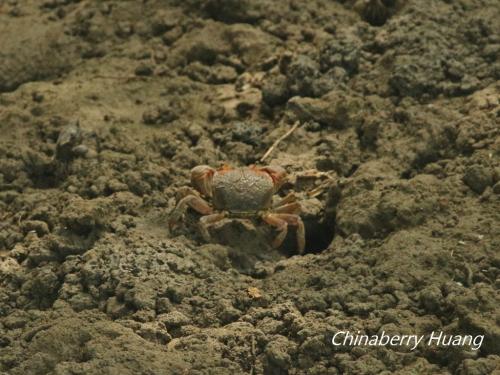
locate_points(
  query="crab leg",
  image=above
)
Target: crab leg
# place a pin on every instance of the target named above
(207, 221)
(280, 222)
(289, 208)
(196, 203)
(289, 198)
(280, 225)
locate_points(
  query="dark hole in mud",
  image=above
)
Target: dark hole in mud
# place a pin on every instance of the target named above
(406, 175)
(319, 234)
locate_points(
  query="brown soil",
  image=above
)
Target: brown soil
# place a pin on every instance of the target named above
(105, 106)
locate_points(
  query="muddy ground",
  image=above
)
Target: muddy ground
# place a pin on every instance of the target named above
(105, 106)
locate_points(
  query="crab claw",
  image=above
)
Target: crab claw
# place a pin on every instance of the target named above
(278, 174)
(201, 179)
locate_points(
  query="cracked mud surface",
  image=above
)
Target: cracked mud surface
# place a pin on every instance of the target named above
(105, 106)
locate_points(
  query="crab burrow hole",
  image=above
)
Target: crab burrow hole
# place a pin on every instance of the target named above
(316, 213)
(318, 225)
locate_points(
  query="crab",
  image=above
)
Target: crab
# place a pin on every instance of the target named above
(245, 192)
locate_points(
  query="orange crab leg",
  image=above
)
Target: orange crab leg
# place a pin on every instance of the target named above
(196, 203)
(289, 198)
(289, 208)
(281, 221)
(207, 221)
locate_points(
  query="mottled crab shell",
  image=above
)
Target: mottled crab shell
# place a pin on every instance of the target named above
(242, 190)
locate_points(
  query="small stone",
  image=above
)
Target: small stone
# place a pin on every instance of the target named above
(254, 292)
(80, 150)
